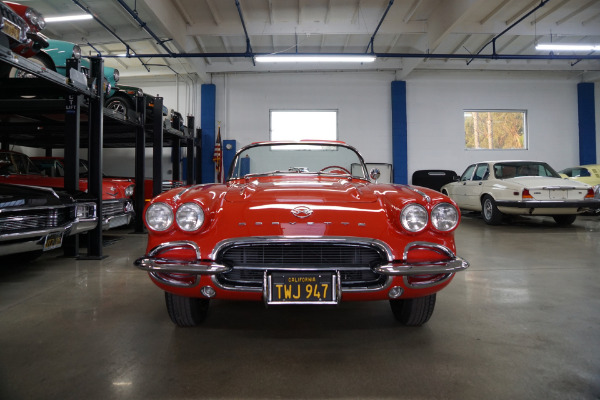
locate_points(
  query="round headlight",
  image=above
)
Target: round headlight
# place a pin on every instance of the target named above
(116, 75)
(159, 216)
(76, 52)
(129, 190)
(414, 218)
(444, 217)
(190, 217)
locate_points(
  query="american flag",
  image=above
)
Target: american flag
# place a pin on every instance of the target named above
(218, 157)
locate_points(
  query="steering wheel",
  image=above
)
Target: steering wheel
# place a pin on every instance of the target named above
(336, 167)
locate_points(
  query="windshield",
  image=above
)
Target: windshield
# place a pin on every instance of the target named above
(523, 168)
(292, 158)
(16, 163)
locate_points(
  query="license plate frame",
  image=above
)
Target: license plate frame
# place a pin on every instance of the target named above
(53, 241)
(302, 287)
(559, 194)
(12, 30)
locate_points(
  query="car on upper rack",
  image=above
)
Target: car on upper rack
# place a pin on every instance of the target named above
(55, 166)
(117, 206)
(301, 223)
(36, 219)
(122, 100)
(499, 189)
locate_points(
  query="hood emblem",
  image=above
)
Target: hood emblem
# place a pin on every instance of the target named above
(302, 212)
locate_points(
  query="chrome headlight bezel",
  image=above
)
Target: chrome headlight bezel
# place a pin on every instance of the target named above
(414, 217)
(129, 190)
(76, 52)
(159, 216)
(116, 75)
(444, 217)
(189, 217)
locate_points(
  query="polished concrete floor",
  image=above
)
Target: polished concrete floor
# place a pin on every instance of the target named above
(523, 322)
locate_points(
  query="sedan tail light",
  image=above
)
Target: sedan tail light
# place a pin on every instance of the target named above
(590, 193)
(526, 194)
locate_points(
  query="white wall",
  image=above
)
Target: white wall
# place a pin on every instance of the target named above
(435, 102)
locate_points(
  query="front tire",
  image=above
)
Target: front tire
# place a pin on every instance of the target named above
(119, 104)
(413, 312)
(186, 311)
(489, 211)
(564, 220)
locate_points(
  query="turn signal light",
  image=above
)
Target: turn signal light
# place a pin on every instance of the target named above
(526, 194)
(590, 194)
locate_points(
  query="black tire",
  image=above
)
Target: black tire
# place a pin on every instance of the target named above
(42, 59)
(119, 104)
(186, 311)
(413, 312)
(564, 220)
(490, 213)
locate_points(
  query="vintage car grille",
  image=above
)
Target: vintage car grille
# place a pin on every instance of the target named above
(354, 262)
(35, 219)
(113, 207)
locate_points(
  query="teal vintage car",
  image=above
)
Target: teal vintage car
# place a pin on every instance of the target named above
(55, 56)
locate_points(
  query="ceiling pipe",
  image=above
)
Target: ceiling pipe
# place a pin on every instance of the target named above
(383, 55)
(98, 20)
(248, 45)
(378, 26)
(493, 41)
(143, 25)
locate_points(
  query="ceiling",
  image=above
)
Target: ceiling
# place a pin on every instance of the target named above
(410, 35)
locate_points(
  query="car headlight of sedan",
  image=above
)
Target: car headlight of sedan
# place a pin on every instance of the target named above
(190, 217)
(414, 218)
(444, 217)
(159, 216)
(129, 190)
(76, 52)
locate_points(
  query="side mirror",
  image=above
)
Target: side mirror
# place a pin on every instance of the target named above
(375, 173)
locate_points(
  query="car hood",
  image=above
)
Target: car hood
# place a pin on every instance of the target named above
(18, 196)
(544, 182)
(318, 191)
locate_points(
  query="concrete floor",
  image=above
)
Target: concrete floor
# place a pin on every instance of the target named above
(522, 323)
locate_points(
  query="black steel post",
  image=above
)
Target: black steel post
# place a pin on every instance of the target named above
(140, 167)
(71, 154)
(190, 150)
(198, 160)
(176, 157)
(157, 152)
(96, 125)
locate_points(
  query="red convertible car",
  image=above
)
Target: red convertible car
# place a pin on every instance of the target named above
(301, 223)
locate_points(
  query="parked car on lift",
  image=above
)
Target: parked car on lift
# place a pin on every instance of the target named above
(501, 188)
(301, 223)
(117, 206)
(55, 166)
(122, 100)
(35, 219)
(55, 56)
(35, 22)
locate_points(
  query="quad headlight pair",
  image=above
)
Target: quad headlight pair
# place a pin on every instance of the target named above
(189, 217)
(414, 217)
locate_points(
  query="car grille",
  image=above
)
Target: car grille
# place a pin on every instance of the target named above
(113, 207)
(35, 219)
(354, 262)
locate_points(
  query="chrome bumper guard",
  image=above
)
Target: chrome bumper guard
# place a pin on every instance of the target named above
(151, 263)
(402, 267)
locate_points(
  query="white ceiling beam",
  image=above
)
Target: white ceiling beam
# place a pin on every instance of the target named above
(412, 10)
(522, 11)
(214, 13)
(577, 11)
(495, 11)
(183, 12)
(547, 11)
(446, 17)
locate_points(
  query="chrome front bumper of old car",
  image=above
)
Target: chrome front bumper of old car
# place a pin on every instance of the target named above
(116, 213)
(451, 264)
(48, 238)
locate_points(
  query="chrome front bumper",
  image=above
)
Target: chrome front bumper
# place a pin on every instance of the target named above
(452, 264)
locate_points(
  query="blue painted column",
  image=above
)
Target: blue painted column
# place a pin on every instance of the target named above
(399, 132)
(587, 123)
(208, 124)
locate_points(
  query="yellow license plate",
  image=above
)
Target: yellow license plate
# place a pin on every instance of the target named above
(302, 288)
(53, 241)
(12, 30)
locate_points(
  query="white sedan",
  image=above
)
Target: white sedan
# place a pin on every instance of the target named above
(499, 188)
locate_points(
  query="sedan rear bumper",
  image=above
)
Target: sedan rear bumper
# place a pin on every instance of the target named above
(590, 204)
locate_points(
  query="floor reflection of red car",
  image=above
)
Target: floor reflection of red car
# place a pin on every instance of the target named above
(117, 207)
(301, 223)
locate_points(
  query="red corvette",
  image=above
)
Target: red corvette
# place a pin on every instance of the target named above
(301, 223)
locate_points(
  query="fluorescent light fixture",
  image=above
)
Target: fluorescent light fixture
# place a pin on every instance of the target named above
(568, 47)
(68, 18)
(314, 58)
